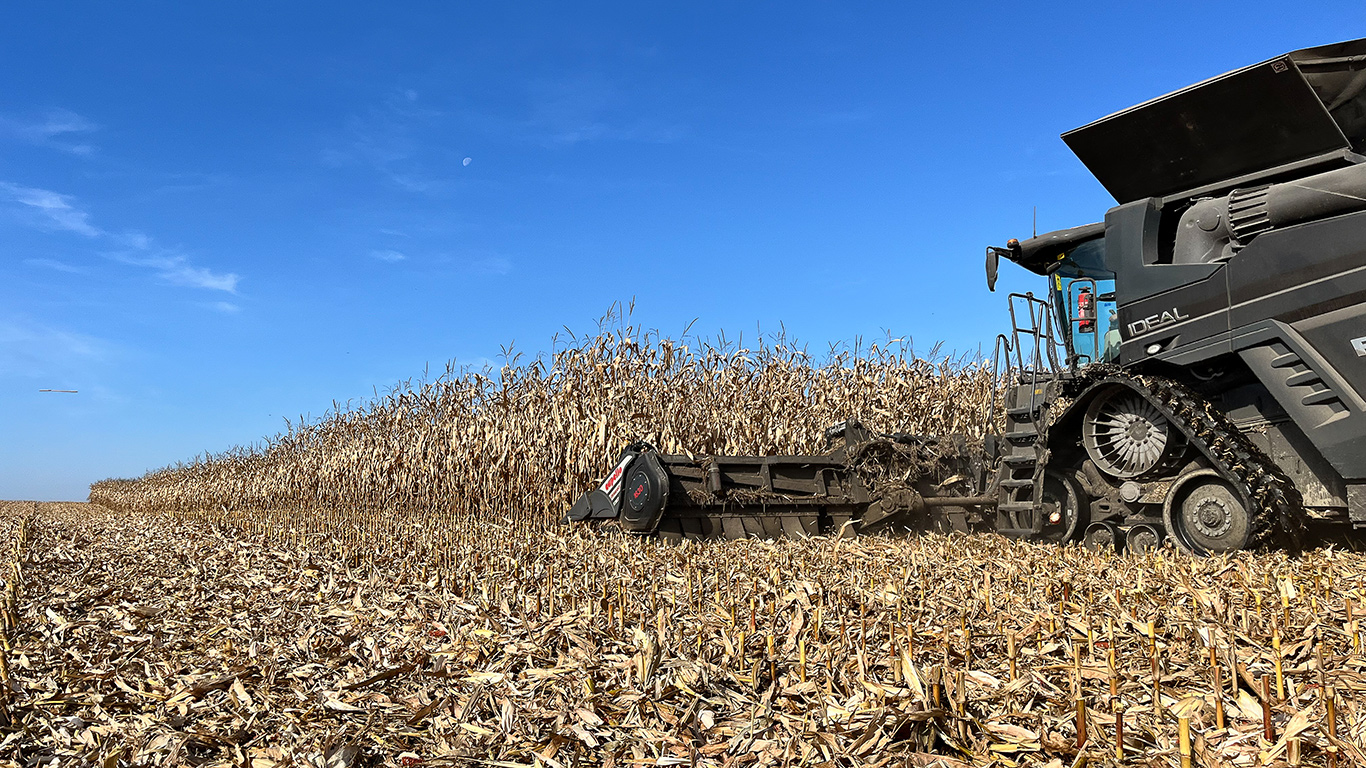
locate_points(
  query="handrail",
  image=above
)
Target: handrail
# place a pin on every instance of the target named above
(1001, 342)
(1044, 357)
(1040, 329)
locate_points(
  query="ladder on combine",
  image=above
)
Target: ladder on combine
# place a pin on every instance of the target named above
(1032, 353)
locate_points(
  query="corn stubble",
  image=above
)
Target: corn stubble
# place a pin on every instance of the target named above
(158, 639)
(388, 584)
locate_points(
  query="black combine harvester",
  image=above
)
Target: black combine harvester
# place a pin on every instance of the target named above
(1194, 372)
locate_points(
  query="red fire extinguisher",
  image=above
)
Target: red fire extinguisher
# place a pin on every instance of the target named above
(1086, 311)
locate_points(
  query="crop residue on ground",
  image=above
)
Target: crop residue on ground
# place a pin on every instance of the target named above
(160, 640)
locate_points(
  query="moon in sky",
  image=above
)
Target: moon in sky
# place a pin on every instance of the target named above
(466, 161)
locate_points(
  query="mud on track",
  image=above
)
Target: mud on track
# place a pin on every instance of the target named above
(155, 641)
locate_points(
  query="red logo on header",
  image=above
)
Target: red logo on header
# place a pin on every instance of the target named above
(612, 479)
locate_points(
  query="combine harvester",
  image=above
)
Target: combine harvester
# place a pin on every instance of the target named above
(1194, 371)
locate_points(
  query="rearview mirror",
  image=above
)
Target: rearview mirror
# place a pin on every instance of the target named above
(993, 263)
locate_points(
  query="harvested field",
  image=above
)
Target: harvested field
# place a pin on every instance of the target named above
(162, 639)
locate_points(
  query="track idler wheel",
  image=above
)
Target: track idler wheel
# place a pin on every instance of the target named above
(1064, 513)
(1206, 516)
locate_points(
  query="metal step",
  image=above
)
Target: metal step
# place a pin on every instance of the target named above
(1020, 459)
(1016, 506)
(1014, 483)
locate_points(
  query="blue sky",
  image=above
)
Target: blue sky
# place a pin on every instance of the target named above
(211, 220)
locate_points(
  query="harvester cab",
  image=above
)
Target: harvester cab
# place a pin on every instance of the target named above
(1194, 372)
(1080, 326)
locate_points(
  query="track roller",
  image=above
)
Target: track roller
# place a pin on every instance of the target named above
(1102, 537)
(1142, 539)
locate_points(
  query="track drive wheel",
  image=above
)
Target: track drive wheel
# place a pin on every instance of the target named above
(1127, 436)
(1205, 515)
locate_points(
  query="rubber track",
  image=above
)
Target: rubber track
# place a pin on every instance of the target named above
(1278, 518)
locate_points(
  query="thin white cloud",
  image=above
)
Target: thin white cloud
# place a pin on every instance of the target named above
(390, 256)
(226, 307)
(51, 209)
(31, 350)
(199, 277)
(134, 240)
(176, 269)
(60, 266)
(56, 129)
(394, 139)
(416, 183)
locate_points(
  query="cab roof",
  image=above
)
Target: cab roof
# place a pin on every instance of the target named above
(1042, 254)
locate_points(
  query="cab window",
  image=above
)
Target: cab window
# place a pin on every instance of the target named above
(1083, 293)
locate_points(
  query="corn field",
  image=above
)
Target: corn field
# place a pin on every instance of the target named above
(436, 456)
